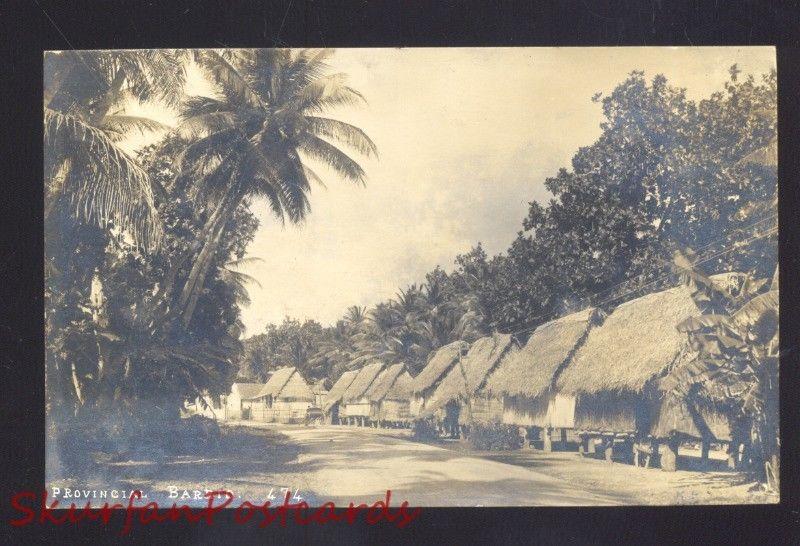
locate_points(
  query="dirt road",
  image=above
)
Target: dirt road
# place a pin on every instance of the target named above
(343, 464)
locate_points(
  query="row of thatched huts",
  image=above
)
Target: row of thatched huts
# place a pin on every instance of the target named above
(586, 380)
(377, 394)
(284, 398)
(592, 378)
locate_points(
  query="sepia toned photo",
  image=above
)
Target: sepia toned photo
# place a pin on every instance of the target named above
(440, 276)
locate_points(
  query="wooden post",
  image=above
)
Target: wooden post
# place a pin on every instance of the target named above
(609, 454)
(705, 447)
(564, 439)
(734, 455)
(669, 454)
(547, 439)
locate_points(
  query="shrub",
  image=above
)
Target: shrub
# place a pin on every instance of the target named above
(494, 437)
(424, 429)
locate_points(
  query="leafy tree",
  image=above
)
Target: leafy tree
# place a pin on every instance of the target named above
(292, 343)
(666, 173)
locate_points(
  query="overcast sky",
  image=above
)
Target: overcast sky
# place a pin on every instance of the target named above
(466, 138)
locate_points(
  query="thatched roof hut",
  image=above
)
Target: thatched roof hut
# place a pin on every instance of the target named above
(362, 382)
(246, 390)
(469, 375)
(440, 363)
(339, 388)
(636, 344)
(525, 379)
(384, 381)
(401, 388)
(285, 383)
(531, 370)
(285, 397)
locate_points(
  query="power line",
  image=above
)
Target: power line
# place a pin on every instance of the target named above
(698, 250)
(734, 246)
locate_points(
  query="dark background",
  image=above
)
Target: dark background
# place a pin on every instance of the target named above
(34, 26)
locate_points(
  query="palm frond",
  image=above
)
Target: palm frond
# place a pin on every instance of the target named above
(327, 91)
(122, 124)
(154, 73)
(332, 156)
(232, 82)
(342, 132)
(104, 184)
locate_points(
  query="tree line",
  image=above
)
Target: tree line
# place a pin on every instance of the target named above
(668, 174)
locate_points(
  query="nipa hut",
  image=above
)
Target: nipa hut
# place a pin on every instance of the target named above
(459, 392)
(334, 397)
(425, 383)
(285, 398)
(389, 396)
(234, 403)
(526, 378)
(355, 405)
(613, 374)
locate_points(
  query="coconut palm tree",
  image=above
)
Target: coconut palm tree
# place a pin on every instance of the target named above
(83, 164)
(248, 141)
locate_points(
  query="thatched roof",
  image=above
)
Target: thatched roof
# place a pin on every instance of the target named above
(441, 362)
(468, 376)
(694, 419)
(276, 382)
(531, 370)
(385, 380)
(247, 390)
(401, 389)
(338, 389)
(637, 342)
(362, 382)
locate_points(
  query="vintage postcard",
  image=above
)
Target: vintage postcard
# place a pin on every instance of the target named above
(439, 276)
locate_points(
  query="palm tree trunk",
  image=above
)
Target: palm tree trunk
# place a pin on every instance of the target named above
(215, 230)
(213, 245)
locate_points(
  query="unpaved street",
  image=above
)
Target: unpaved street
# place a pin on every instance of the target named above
(343, 464)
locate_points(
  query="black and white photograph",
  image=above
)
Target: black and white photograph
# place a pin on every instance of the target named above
(471, 276)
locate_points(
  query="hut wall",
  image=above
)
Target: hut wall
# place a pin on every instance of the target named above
(676, 416)
(357, 408)
(525, 412)
(233, 406)
(561, 411)
(607, 412)
(249, 406)
(415, 405)
(290, 410)
(483, 409)
(259, 411)
(394, 410)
